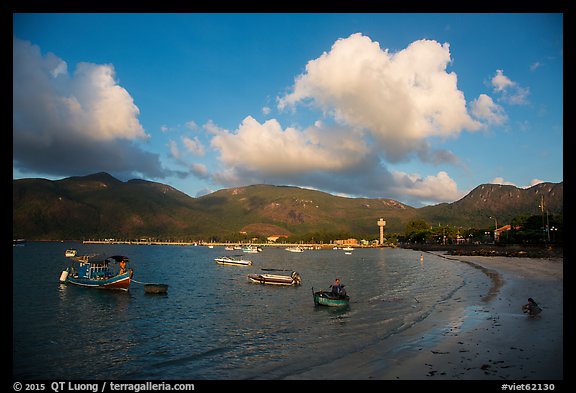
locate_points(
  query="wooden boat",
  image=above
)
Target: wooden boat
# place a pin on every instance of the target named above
(155, 288)
(98, 274)
(276, 279)
(328, 298)
(230, 260)
(70, 253)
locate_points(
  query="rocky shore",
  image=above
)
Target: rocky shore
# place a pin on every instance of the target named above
(493, 250)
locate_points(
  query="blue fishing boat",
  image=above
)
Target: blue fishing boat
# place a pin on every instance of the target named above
(109, 273)
(328, 298)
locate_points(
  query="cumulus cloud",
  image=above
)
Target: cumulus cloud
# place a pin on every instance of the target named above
(510, 91)
(82, 122)
(440, 187)
(269, 149)
(486, 109)
(191, 125)
(533, 182)
(500, 180)
(400, 98)
(378, 108)
(193, 145)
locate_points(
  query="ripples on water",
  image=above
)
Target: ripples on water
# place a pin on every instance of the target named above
(214, 323)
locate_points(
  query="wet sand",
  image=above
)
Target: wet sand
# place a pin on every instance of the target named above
(478, 334)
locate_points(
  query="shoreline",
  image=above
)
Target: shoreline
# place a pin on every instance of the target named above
(475, 335)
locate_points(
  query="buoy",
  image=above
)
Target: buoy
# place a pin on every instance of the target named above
(64, 275)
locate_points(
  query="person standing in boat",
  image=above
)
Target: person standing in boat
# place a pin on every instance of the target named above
(122, 266)
(337, 288)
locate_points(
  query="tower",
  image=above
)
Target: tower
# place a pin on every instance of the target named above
(381, 223)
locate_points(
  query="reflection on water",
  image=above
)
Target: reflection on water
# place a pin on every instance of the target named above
(214, 323)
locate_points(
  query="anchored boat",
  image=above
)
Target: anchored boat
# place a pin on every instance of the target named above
(276, 279)
(69, 253)
(110, 273)
(229, 260)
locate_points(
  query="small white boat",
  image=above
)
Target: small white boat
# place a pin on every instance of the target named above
(228, 260)
(69, 253)
(348, 248)
(251, 249)
(294, 249)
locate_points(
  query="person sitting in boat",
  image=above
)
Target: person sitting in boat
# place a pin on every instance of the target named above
(338, 289)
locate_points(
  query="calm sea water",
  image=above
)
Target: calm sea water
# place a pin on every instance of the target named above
(214, 323)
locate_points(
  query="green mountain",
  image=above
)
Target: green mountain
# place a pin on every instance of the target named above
(101, 206)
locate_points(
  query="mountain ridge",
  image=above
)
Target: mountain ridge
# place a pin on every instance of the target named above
(101, 206)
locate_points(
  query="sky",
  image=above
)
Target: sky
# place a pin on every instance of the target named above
(420, 108)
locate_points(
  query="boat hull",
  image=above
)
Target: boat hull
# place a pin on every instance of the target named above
(119, 282)
(275, 279)
(231, 262)
(323, 298)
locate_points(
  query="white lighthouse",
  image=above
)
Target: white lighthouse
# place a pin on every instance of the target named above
(381, 223)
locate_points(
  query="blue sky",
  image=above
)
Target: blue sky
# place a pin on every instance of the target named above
(420, 108)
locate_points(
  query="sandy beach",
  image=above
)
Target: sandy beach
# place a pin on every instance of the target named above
(480, 333)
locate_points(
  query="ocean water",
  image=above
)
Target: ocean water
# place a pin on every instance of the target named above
(214, 323)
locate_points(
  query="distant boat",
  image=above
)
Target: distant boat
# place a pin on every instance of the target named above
(18, 242)
(348, 248)
(229, 248)
(70, 253)
(276, 279)
(251, 249)
(294, 249)
(98, 274)
(230, 260)
(330, 299)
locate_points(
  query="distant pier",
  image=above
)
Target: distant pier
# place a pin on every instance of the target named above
(219, 244)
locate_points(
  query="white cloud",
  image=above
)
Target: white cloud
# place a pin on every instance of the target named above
(48, 102)
(174, 151)
(212, 128)
(82, 122)
(533, 182)
(200, 171)
(438, 188)
(510, 91)
(193, 145)
(268, 149)
(486, 109)
(266, 110)
(535, 66)
(191, 125)
(500, 180)
(398, 98)
(501, 82)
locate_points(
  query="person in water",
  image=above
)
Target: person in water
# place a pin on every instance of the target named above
(337, 288)
(531, 308)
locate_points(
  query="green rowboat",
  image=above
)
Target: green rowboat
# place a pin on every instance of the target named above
(327, 298)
